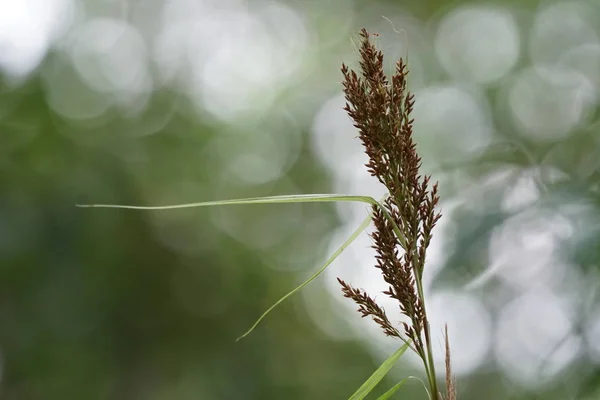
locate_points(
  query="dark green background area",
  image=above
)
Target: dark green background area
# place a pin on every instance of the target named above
(94, 305)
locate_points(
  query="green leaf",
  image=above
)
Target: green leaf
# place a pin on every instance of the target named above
(298, 198)
(378, 375)
(339, 251)
(424, 386)
(393, 390)
(301, 198)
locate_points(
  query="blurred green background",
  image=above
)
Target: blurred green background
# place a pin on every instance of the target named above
(161, 102)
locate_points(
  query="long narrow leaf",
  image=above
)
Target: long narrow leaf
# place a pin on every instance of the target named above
(378, 375)
(339, 251)
(300, 198)
(387, 395)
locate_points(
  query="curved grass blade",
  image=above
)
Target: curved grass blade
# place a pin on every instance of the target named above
(378, 375)
(424, 385)
(335, 255)
(387, 395)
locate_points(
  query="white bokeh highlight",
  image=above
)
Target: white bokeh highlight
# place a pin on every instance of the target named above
(478, 44)
(535, 340)
(547, 104)
(559, 28)
(469, 330)
(110, 55)
(28, 29)
(452, 123)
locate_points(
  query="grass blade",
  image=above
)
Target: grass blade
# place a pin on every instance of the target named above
(424, 386)
(393, 390)
(297, 198)
(378, 375)
(300, 198)
(339, 251)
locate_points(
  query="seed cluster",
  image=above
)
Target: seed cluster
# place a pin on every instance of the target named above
(381, 110)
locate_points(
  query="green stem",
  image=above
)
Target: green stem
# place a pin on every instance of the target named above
(426, 329)
(428, 361)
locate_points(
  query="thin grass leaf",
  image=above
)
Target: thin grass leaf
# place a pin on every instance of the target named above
(339, 251)
(378, 375)
(299, 198)
(393, 390)
(424, 385)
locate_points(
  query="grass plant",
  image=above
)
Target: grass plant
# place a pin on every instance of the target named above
(404, 220)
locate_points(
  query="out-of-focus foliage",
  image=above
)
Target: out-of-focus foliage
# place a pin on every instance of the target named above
(161, 102)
